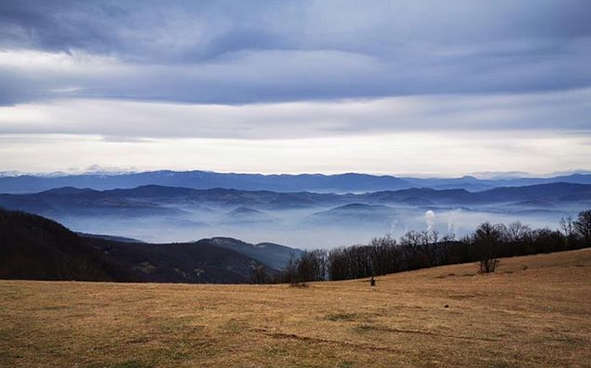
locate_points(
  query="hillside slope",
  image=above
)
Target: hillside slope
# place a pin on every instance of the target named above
(533, 312)
(32, 247)
(274, 255)
(198, 262)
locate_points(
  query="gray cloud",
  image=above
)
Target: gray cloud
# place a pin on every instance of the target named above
(258, 51)
(559, 112)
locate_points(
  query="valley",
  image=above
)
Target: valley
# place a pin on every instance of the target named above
(306, 220)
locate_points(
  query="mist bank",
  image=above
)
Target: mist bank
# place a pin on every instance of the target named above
(35, 248)
(301, 219)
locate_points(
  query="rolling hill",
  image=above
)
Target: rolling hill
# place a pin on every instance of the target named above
(32, 247)
(532, 313)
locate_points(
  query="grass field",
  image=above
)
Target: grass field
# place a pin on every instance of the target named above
(533, 312)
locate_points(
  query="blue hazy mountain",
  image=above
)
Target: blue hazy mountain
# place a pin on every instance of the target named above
(158, 214)
(340, 183)
(170, 201)
(206, 180)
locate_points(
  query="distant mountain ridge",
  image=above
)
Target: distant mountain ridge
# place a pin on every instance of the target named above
(205, 180)
(159, 201)
(338, 183)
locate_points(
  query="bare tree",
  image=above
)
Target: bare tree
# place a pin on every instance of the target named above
(258, 275)
(312, 266)
(449, 237)
(517, 232)
(583, 226)
(566, 226)
(291, 269)
(487, 238)
(434, 236)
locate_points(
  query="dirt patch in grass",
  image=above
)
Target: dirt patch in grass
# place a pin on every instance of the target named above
(131, 364)
(337, 317)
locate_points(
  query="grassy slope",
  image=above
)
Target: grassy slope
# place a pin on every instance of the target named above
(537, 317)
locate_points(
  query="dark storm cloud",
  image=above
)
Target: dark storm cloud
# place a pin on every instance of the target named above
(147, 31)
(235, 52)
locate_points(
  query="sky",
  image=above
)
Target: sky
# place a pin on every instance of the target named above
(387, 87)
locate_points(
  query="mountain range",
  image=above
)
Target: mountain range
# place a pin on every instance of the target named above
(339, 183)
(153, 200)
(305, 219)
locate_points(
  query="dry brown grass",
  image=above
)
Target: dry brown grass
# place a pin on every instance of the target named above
(533, 312)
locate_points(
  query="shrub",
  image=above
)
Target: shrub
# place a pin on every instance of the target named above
(299, 285)
(488, 265)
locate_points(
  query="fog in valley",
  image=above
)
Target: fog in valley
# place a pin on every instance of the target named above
(309, 228)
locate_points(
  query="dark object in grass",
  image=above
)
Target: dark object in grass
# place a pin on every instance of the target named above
(488, 265)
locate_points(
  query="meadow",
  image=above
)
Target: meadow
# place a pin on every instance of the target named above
(534, 311)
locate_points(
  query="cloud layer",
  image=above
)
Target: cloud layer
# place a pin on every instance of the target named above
(210, 52)
(128, 120)
(441, 154)
(443, 81)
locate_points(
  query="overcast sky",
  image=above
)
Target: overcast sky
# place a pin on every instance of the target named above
(425, 87)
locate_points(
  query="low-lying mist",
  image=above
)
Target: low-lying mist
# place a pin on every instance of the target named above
(309, 228)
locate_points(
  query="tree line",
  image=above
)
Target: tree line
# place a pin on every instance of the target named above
(415, 250)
